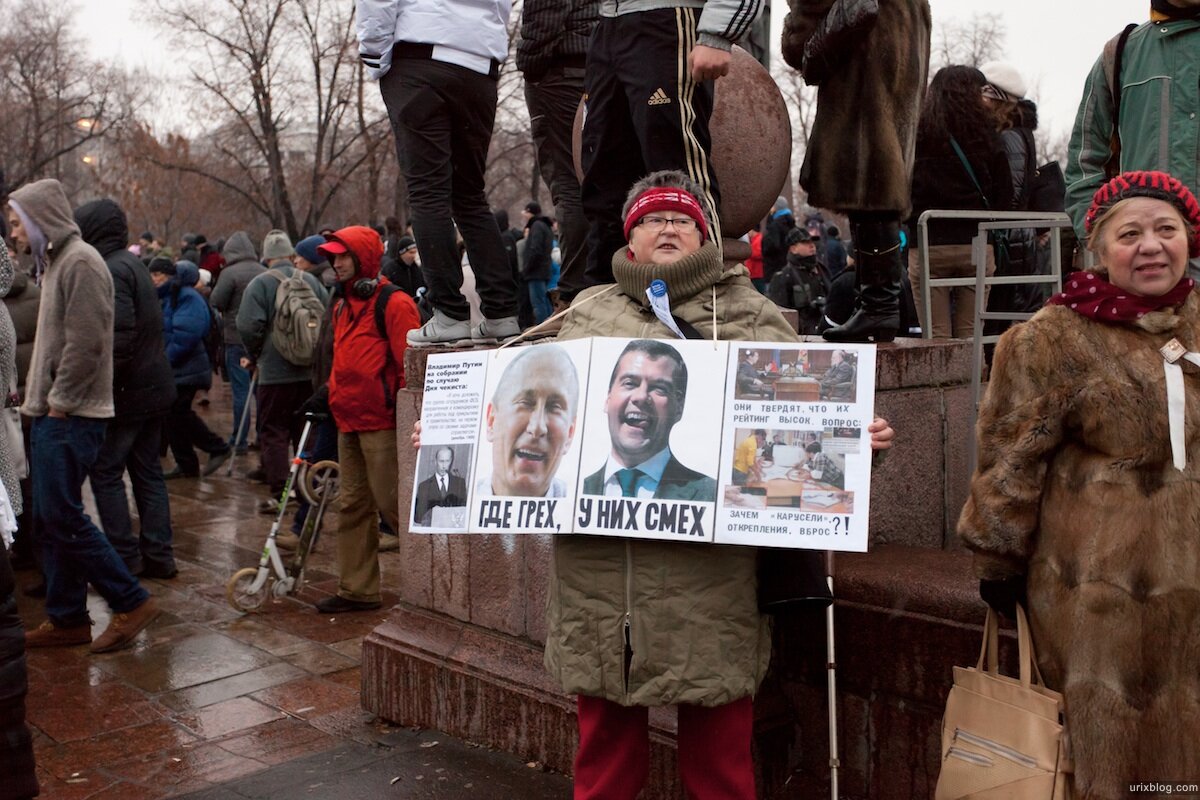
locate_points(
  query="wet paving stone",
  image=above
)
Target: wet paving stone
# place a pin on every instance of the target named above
(208, 697)
(206, 694)
(187, 662)
(309, 697)
(319, 659)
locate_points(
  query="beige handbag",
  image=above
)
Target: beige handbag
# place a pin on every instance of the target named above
(1003, 738)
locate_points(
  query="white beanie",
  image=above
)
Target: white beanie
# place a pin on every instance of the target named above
(1004, 76)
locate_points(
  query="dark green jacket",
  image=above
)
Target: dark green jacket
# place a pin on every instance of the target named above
(1160, 113)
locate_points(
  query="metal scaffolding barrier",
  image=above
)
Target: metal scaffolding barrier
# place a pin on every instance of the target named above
(988, 221)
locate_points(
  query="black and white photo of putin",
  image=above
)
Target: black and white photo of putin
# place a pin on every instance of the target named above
(646, 393)
(442, 488)
(531, 424)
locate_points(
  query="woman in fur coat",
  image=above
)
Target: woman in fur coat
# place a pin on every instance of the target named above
(1086, 498)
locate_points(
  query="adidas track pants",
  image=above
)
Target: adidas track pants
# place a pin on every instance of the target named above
(644, 114)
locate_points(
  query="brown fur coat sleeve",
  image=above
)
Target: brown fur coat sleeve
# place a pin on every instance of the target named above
(1021, 423)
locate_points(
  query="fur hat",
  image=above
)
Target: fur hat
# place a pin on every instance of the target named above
(796, 236)
(1004, 76)
(276, 245)
(1156, 185)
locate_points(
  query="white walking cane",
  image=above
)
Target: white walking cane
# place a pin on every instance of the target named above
(243, 423)
(831, 671)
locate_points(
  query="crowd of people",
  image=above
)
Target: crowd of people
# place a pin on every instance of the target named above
(1082, 508)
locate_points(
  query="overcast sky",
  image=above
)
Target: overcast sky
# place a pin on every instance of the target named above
(1052, 42)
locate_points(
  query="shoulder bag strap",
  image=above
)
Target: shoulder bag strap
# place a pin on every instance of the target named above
(970, 172)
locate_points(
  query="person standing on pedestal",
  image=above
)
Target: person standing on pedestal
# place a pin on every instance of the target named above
(437, 63)
(860, 155)
(651, 69)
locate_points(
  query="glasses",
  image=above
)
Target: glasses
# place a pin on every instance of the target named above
(680, 224)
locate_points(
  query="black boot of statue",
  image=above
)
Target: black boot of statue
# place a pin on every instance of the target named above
(876, 315)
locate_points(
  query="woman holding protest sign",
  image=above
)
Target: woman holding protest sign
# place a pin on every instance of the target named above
(635, 623)
(640, 623)
(1086, 501)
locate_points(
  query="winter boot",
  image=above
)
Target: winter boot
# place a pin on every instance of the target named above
(876, 315)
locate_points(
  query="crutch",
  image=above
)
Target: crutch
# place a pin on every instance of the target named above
(831, 671)
(243, 423)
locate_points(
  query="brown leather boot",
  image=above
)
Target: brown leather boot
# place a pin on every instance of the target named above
(50, 635)
(124, 627)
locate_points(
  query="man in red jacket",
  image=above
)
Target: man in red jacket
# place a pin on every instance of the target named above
(371, 320)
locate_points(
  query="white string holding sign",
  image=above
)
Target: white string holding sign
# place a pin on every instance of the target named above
(660, 304)
(1172, 352)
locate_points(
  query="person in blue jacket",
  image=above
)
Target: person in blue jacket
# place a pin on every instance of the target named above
(186, 323)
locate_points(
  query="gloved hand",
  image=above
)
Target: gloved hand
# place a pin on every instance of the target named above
(1003, 595)
(318, 404)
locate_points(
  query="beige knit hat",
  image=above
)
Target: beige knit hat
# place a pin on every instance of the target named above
(276, 245)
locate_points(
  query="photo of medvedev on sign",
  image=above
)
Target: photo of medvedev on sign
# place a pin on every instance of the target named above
(797, 461)
(650, 453)
(453, 401)
(527, 462)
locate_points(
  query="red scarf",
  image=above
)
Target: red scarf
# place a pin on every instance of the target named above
(1092, 296)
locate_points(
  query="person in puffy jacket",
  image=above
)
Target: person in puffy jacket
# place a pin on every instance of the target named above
(186, 322)
(368, 370)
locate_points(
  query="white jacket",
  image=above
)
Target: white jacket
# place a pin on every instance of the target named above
(469, 33)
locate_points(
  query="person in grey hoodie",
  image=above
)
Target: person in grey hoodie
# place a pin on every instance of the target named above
(69, 395)
(282, 386)
(241, 267)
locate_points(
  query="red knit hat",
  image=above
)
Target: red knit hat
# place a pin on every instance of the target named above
(666, 198)
(1156, 185)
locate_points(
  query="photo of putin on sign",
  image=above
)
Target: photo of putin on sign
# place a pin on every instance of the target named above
(646, 393)
(441, 489)
(530, 423)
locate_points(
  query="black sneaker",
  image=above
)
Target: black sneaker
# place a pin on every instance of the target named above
(342, 605)
(162, 572)
(257, 474)
(176, 472)
(216, 460)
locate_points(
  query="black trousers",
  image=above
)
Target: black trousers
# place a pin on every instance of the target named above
(186, 431)
(641, 118)
(553, 100)
(442, 115)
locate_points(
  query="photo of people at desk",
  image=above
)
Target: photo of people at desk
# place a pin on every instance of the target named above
(793, 469)
(796, 375)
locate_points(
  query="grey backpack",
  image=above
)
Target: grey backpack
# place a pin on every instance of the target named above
(298, 315)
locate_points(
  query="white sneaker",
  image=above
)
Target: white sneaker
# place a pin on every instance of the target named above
(495, 330)
(440, 330)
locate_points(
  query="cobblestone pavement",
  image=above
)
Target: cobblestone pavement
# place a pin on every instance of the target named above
(209, 700)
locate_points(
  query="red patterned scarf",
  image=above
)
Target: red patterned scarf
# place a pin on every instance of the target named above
(1092, 296)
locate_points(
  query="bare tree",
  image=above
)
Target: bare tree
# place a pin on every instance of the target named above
(969, 42)
(281, 83)
(57, 104)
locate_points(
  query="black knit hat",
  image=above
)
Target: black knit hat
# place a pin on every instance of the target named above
(1155, 185)
(534, 207)
(162, 264)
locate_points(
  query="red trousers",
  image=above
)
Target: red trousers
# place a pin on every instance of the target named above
(613, 759)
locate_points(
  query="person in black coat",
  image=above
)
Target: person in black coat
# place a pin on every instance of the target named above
(19, 777)
(143, 391)
(536, 261)
(774, 241)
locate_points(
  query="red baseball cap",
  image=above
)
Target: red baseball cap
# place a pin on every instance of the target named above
(332, 248)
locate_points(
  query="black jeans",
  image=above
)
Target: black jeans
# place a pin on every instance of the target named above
(186, 431)
(553, 101)
(636, 106)
(133, 444)
(442, 115)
